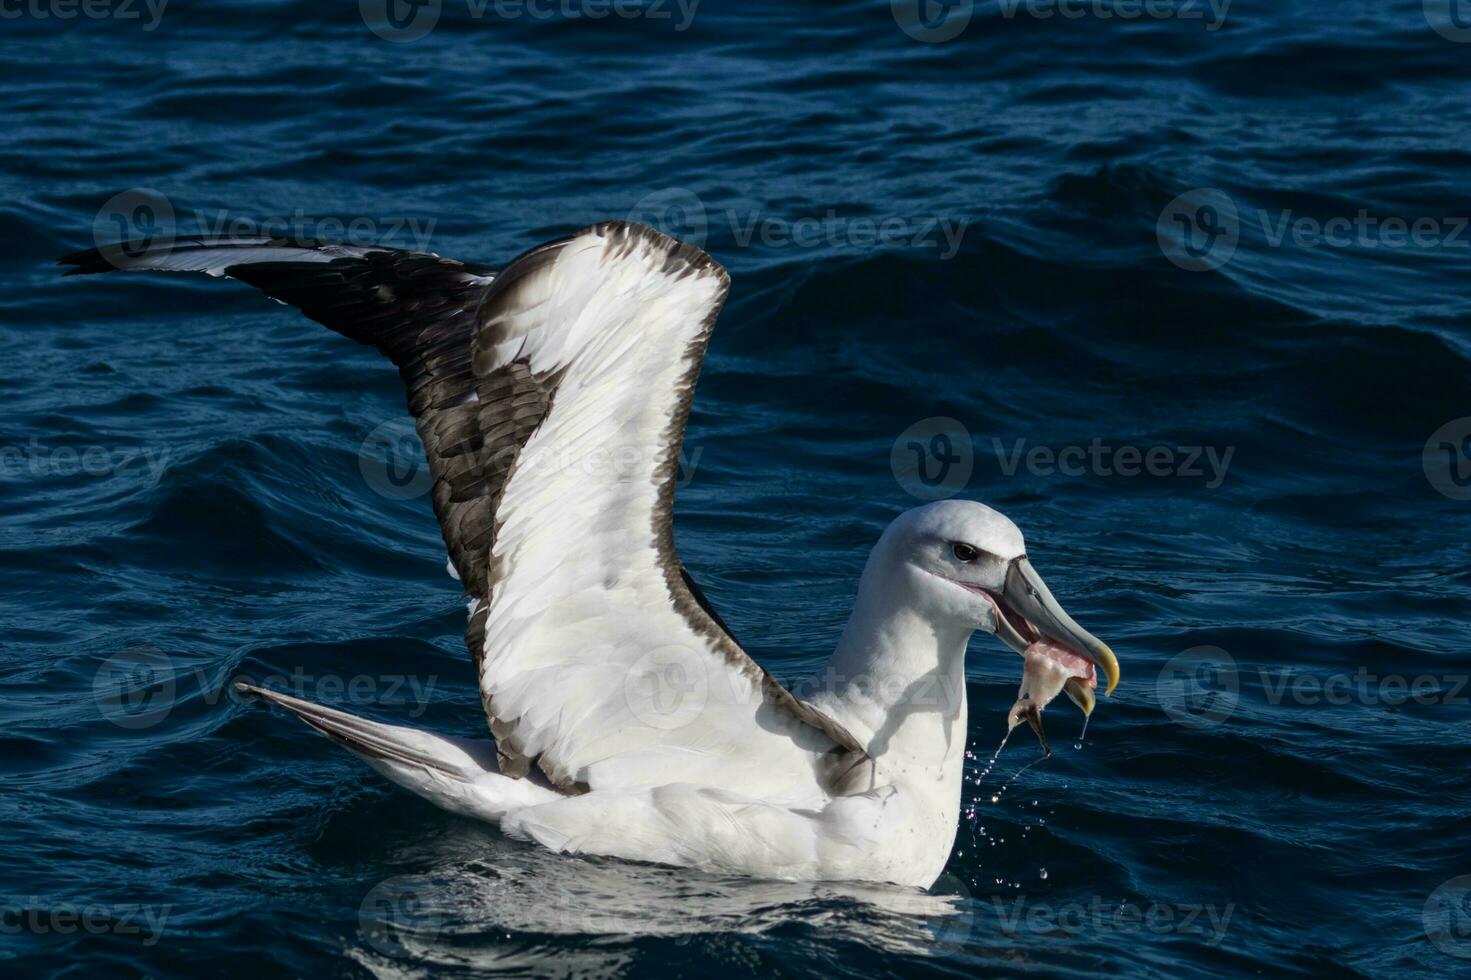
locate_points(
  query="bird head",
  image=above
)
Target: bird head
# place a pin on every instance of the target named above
(965, 564)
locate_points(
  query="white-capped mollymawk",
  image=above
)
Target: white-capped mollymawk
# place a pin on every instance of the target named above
(626, 720)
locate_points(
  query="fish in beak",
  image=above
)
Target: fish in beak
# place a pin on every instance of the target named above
(1060, 656)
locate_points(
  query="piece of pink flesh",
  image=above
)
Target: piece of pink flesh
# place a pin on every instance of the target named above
(1048, 666)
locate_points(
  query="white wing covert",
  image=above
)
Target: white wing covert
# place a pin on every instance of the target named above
(599, 665)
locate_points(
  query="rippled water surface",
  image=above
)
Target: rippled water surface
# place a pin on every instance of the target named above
(984, 237)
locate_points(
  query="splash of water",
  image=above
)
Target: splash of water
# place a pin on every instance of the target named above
(980, 777)
(985, 771)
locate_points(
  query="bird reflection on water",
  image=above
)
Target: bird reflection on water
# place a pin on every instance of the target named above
(485, 887)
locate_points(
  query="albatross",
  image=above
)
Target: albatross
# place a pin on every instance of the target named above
(625, 719)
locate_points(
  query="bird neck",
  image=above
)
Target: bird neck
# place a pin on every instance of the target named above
(897, 679)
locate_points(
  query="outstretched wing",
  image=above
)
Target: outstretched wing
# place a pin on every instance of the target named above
(601, 666)
(552, 400)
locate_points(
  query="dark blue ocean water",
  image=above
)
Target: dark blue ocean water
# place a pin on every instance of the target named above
(1233, 425)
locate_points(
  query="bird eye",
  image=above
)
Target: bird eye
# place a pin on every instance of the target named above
(964, 552)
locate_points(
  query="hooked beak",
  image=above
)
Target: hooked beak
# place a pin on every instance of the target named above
(1029, 612)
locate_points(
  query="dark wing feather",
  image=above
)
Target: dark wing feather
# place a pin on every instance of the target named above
(417, 309)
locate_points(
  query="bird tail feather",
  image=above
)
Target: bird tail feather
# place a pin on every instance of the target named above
(458, 774)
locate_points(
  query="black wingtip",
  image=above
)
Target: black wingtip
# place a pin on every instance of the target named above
(89, 261)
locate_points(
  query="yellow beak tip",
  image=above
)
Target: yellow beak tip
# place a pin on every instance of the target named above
(1110, 665)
